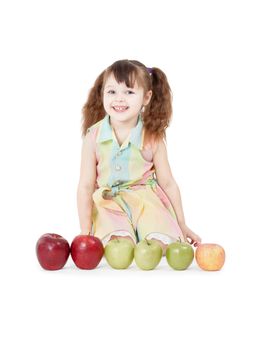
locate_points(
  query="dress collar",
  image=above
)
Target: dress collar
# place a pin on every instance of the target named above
(135, 137)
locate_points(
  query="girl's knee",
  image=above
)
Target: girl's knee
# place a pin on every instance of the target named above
(162, 245)
(162, 239)
(126, 237)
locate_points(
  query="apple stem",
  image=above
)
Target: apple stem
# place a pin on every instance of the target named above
(147, 241)
(179, 239)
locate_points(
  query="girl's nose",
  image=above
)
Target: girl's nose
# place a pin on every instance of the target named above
(119, 97)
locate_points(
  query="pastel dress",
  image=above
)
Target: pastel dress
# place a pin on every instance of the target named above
(127, 200)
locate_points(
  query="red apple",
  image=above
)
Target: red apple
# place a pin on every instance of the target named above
(52, 251)
(87, 251)
(210, 257)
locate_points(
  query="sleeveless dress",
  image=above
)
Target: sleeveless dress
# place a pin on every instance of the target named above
(127, 200)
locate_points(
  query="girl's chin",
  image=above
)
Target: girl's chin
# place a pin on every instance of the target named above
(123, 116)
(119, 115)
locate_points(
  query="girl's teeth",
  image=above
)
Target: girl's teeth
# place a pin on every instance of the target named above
(120, 108)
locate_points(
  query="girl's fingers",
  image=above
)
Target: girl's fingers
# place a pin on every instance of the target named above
(195, 243)
(189, 241)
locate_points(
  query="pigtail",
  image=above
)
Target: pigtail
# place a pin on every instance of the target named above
(158, 113)
(93, 110)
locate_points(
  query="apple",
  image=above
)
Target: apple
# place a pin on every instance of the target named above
(210, 256)
(86, 251)
(52, 251)
(179, 255)
(147, 254)
(119, 253)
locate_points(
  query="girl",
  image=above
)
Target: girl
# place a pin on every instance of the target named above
(126, 187)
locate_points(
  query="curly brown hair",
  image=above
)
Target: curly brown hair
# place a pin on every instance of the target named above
(156, 115)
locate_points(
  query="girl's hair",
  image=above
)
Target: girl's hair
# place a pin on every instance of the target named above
(156, 115)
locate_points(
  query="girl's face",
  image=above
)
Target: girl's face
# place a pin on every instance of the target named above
(123, 103)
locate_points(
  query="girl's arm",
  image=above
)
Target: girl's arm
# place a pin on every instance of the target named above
(86, 185)
(167, 182)
(84, 206)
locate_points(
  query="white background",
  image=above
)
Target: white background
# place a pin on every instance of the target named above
(51, 53)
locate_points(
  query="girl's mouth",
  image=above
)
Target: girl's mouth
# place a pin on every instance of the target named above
(120, 108)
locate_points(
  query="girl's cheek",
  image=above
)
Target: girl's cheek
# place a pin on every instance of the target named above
(109, 98)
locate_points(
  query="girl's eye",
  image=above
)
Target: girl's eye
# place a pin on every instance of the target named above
(112, 92)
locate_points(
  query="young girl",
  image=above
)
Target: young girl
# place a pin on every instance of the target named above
(126, 187)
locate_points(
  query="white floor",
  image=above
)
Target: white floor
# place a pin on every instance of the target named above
(130, 309)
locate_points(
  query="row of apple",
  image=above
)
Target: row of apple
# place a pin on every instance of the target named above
(87, 251)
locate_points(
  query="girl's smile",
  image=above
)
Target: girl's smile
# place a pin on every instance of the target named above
(120, 109)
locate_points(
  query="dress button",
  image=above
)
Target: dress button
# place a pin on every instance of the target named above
(118, 167)
(118, 154)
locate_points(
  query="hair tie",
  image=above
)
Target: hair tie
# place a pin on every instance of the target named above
(150, 70)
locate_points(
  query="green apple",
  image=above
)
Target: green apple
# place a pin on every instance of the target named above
(179, 255)
(147, 254)
(119, 253)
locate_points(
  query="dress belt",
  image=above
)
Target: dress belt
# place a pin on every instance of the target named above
(112, 198)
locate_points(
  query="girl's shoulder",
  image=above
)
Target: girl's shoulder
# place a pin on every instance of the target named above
(149, 149)
(92, 131)
(94, 126)
(151, 144)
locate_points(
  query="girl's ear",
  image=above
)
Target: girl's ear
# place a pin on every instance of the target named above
(147, 98)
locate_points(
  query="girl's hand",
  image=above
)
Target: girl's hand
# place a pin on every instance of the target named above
(188, 233)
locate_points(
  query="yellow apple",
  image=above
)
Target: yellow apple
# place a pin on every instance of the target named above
(210, 256)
